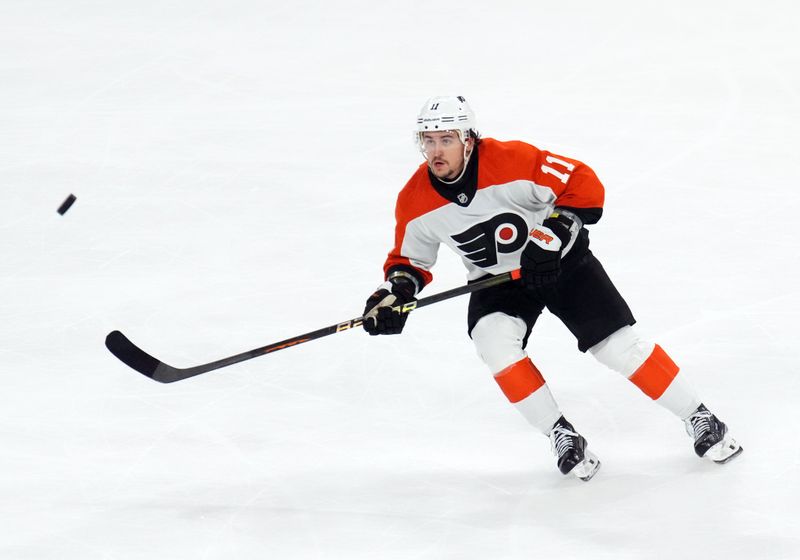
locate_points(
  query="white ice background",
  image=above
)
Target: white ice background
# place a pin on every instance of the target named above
(236, 165)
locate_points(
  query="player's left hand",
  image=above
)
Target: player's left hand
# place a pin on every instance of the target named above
(540, 263)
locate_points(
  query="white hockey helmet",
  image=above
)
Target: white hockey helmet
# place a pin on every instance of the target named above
(446, 113)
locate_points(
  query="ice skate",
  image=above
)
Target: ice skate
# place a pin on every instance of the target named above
(711, 438)
(570, 448)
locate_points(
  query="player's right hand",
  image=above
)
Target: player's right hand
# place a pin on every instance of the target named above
(540, 262)
(379, 317)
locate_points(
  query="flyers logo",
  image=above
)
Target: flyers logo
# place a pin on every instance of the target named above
(482, 242)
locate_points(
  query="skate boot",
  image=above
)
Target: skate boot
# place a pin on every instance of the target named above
(570, 448)
(711, 438)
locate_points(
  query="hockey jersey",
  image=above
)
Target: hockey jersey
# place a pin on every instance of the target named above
(513, 188)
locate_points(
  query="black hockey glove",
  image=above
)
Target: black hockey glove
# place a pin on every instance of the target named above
(540, 263)
(379, 317)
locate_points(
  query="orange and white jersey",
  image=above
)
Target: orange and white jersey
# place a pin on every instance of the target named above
(517, 187)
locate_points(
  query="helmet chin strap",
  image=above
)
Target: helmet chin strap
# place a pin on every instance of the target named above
(463, 169)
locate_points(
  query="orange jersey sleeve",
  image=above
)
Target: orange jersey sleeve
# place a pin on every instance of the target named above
(574, 183)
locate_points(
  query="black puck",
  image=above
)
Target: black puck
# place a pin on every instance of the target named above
(66, 204)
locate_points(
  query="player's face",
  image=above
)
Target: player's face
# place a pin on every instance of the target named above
(444, 152)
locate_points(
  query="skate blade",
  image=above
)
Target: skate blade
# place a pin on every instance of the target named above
(724, 451)
(587, 468)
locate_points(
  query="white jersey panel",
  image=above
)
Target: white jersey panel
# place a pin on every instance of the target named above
(419, 245)
(488, 235)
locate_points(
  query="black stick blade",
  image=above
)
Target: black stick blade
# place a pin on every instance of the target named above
(131, 355)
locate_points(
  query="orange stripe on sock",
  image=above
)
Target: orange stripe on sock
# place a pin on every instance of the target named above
(519, 380)
(655, 374)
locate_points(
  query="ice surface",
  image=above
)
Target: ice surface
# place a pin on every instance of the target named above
(235, 166)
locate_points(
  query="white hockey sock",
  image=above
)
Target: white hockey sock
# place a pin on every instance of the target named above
(680, 397)
(540, 409)
(498, 339)
(526, 389)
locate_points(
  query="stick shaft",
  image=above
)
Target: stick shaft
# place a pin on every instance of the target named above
(144, 363)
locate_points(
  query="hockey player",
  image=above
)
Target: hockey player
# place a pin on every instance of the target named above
(503, 206)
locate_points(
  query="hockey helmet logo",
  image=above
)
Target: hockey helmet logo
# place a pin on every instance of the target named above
(481, 243)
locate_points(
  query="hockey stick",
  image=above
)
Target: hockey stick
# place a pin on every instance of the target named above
(144, 363)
